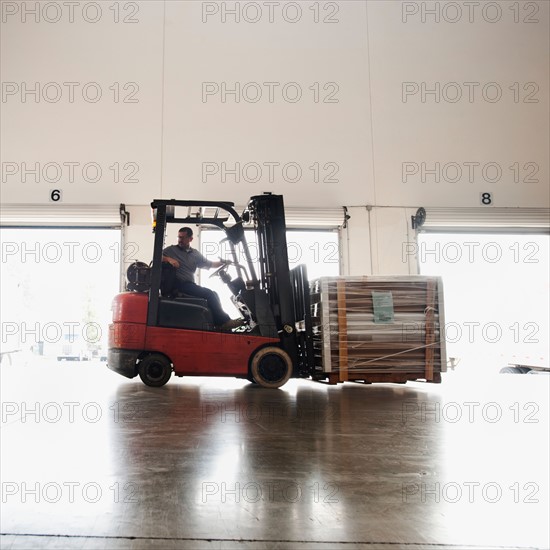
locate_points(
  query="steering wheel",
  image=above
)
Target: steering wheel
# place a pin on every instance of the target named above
(218, 271)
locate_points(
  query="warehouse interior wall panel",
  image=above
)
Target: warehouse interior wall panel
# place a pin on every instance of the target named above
(326, 106)
(390, 231)
(82, 101)
(280, 106)
(460, 102)
(357, 261)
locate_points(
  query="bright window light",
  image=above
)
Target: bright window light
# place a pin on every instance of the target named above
(318, 250)
(57, 286)
(496, 296)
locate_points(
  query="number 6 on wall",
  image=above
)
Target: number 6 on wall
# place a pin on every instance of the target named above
(55, 195)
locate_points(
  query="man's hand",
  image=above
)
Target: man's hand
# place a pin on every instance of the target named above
(171, 261)
(221, 262)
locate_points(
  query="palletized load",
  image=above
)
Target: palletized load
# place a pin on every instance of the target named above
(378, 328)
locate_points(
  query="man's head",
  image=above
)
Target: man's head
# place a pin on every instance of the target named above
(185, 236)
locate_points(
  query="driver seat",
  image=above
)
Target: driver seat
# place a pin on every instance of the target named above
(179, 310)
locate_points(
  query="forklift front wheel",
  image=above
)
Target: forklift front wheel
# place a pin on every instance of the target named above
(155, 370)
(271, 367)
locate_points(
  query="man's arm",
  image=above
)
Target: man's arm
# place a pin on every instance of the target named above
(203, 263)
(171, 261)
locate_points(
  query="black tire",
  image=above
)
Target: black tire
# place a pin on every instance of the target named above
(515, 370)
(524, 370)
(155, 370)
(271, 367)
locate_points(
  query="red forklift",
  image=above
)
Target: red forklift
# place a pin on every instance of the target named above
(156, 332)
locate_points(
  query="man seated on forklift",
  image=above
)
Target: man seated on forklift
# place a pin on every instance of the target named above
(186, 260)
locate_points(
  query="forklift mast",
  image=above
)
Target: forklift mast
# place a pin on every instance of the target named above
(288, 290)
(267, 213)
(279, 298)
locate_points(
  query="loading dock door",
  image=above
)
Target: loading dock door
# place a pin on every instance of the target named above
(56, 287)
(495, 270)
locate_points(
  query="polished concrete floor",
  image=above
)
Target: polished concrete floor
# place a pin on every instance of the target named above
(92, 460)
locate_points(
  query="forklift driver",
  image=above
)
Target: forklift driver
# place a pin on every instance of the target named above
(186, 260)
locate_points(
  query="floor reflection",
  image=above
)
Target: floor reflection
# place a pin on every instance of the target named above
(85, 452)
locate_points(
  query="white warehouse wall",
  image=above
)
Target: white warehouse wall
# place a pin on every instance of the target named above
(460, 108)
(385, 104)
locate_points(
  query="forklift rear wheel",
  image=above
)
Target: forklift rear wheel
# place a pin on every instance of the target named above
(271, 367)
(155, 370)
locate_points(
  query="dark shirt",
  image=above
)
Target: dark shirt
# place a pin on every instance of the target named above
(189, 260)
